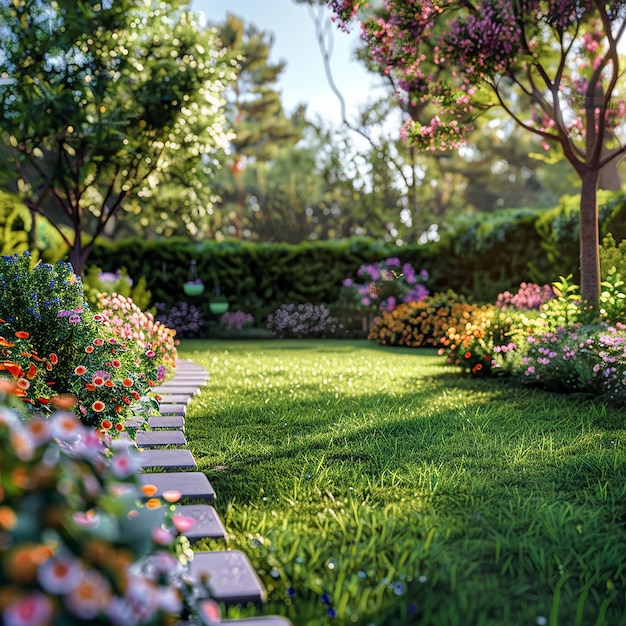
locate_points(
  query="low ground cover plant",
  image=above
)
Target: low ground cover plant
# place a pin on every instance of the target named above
(375, 485)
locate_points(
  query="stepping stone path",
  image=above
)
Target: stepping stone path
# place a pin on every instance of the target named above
(167, 464)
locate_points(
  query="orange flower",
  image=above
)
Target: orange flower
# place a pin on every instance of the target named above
(33, 355)
(80, 370)
(153, 503)
(89, 349)
(32, 371)
(22, 334)
(5, 344)
(90, 387)
(98, 381)
(106, 424)
(150, 490)
(8, 386)
(119, 427)
(127, 382)
(98, 406)
(13, 368)
(108, 383)
(63, 401)
(23, 384)
(54, 359)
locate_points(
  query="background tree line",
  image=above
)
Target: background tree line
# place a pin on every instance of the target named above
(126, 119)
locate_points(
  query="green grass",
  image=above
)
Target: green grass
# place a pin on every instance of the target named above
(383, 485)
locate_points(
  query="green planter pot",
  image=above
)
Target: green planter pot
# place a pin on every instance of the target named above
(218, 308)
(193, 289)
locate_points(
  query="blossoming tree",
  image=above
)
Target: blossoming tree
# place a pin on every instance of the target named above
(552, 65)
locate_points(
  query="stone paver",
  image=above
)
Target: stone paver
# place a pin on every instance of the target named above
(167, 459)
(175, 398)
(208, 524)
(173, 422)
(172, 408)
(183, 388)
(192, 485)
(232, 580)
(154, 439)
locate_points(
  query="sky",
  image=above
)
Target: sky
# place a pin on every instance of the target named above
(303, 80)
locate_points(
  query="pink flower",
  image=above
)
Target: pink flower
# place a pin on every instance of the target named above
(60, 574)
(34, 609)
(183, 523)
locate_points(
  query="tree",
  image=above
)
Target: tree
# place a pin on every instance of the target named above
(97, 98)
(554, 67)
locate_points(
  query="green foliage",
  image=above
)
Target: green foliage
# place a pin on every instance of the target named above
(612, 301)
(559, 228)
(567, 308)
(612, 256)
(142, 93)
(15, 222)
(96, 281)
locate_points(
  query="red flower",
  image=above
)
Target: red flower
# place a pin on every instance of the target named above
(54, 359)
(106, 424)
(89, 349)
(98, 406)
(80, 370)
(22, 334)
(127, 382)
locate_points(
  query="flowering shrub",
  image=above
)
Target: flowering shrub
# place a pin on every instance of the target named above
(31, 372)
(302, 320)
(130, 323)
(112, 378)
(32, 295)
(81, 542)
(583, 359)
(385, 284)
(236, 320)
(416, 324)
(187, 320)
(529, 296)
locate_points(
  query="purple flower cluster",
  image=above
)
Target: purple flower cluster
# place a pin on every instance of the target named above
(302, 320)
(528, 297)
(186, 319)
(580, 359)
(386, 284)
(236, 320)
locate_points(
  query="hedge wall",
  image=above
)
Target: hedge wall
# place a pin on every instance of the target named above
(479, 257)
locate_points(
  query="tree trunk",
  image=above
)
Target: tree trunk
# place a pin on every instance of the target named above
(79, 254)
(589, 238)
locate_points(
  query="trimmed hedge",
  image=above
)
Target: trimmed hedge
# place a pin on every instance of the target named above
(480, 257)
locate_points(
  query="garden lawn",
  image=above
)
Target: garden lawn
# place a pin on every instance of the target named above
(373, 485)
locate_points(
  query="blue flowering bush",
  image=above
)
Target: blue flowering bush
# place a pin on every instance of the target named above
(302, 320)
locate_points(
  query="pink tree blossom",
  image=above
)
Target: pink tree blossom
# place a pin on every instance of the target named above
(552, 65)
